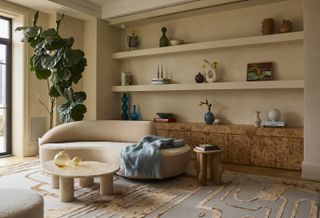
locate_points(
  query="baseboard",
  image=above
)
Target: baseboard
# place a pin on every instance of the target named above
(310, 171)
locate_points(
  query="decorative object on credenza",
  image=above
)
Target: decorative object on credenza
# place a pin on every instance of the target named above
(134, 115)
(257, 120)
(61, 159)
(216, 121)
(176, 42)
(259, 71)
(165, 118)
(124, 107)
(160, 80)
(210, 69)
(164, 41)
(274, 116)
(76, 161)
(133, 41)
(267, 26)
(199, 78)
(126, 78)
(209, 116)
(285, 27)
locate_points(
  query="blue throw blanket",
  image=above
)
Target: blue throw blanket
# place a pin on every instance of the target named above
(144, 159)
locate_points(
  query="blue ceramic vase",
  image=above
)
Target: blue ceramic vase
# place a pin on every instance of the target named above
(134, 115)
(124, 107)
(209, 117)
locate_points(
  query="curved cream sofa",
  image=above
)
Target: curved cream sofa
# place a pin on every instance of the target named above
(102, 140)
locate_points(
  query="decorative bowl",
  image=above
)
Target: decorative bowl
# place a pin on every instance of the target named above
(176, 42)
(165, 115)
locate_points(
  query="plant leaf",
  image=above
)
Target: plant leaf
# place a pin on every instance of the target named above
(78, 111)
(35, 19)
(54, 92)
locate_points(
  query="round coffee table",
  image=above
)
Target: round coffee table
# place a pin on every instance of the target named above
(63, 177)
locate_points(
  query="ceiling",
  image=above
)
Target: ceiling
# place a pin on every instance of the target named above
(48, 6)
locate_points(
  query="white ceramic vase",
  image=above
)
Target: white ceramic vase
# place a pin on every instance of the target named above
(274, 114)
(211, 75)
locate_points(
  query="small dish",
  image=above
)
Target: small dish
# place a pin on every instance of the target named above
(176, 42)
(165, 115)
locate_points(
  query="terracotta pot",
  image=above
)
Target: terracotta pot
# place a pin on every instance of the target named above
(267, 26)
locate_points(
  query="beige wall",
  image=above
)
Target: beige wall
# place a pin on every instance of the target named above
(311, 163)
(90, 74)
(107, 70)
(230, 106)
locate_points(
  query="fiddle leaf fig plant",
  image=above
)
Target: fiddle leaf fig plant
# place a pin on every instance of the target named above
(55, 61)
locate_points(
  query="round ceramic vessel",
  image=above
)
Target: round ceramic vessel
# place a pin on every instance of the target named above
(274, 114)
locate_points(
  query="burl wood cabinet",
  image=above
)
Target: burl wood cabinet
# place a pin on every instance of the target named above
(243, 144)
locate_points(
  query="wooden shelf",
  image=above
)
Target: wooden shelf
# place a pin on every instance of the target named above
(247, 41)
(280, 84)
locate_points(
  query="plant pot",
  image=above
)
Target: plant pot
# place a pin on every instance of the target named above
(209, 118)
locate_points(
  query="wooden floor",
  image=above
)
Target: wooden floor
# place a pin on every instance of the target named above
(263, 171)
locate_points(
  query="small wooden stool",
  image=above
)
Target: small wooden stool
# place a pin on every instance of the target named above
(215, 166)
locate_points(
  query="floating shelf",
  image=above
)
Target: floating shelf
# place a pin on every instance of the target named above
(280, 84)
(247, 41)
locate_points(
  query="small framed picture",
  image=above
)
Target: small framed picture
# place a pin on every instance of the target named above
(259, 71)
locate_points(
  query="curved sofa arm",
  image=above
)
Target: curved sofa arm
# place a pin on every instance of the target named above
(99, 130)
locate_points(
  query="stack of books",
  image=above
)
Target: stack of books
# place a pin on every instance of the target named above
(208, 147)
(270, 123)
(165, 120)
(160, 81)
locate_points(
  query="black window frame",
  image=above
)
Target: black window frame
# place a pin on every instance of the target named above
(8, 108)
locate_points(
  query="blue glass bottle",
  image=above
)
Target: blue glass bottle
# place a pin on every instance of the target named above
(134, 115)
(124, 107)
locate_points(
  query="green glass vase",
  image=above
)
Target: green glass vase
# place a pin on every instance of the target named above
(164, 41)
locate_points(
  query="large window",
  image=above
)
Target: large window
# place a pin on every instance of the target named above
(5, 84)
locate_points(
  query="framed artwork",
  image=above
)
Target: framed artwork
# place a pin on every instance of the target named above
(259, 71)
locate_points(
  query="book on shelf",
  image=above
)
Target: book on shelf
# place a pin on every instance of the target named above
(165, 120)
(270, 123)
(208, 147)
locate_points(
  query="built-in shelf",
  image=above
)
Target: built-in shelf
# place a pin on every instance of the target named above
(247, 41)
(280, 84)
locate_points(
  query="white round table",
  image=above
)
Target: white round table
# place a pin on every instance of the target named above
(63, 177)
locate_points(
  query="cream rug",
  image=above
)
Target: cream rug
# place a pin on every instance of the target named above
(241, 195)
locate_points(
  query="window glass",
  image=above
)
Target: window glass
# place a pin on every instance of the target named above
(4, 28)
(3, 55)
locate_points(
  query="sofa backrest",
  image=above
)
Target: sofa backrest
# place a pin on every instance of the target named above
(99, 130)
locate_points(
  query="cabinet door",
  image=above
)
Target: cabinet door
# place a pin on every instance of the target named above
(221, 140)
(289, 153)
(163, 132)
(264, 151)
(239, 149)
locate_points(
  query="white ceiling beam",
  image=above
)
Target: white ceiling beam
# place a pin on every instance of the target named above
(82, 6)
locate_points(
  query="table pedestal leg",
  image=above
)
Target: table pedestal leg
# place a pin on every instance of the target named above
(55, 182)
(106, 184)
(211, 166)
(217, 168)
(202, 177)
(66, 189)
(86, 182)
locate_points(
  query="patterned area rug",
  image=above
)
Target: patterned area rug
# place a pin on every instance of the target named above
(241, 195)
